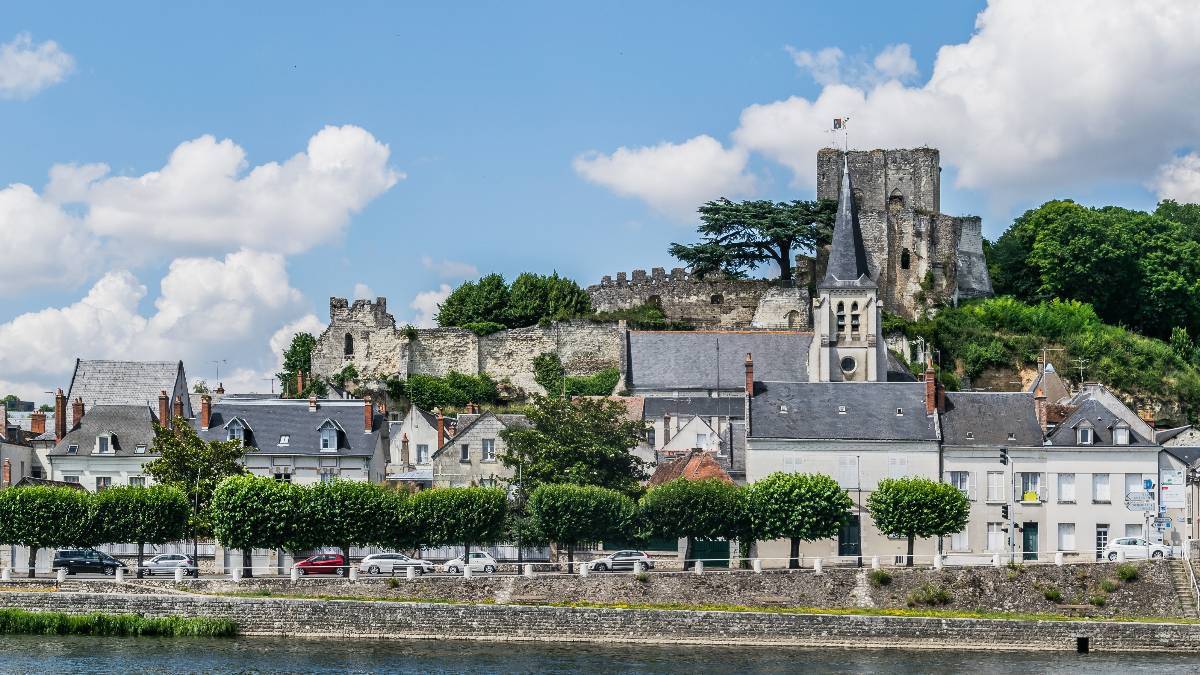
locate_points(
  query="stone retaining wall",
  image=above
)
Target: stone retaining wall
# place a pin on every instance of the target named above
(356, 619)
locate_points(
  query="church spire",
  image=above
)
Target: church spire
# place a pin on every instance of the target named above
(847, 266)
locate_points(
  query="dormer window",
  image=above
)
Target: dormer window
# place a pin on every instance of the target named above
(284, 439)
(783, 409)
(841, 410)
(104, 445)
(1084, 435)
(1012, 436)
(329, 437)
(1121, 436)
(970, 435)
(72, 449)
(899, 412)
(139, 449)
(236, 432)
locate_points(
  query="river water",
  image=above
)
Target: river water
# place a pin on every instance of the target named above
(36, 654)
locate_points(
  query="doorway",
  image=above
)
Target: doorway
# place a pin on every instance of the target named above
(850, 537)
(1029, 541)
(1101, 539)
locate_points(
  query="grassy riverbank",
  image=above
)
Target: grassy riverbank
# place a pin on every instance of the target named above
(23, 622)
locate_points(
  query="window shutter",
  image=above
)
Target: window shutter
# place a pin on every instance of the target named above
(971, 485)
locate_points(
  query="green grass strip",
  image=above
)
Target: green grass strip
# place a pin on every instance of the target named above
(24, 622)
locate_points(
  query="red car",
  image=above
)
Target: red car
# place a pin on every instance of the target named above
(323, 563)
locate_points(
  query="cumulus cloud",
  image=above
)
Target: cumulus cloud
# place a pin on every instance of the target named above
(426, 305)
(1041, 97)
(831, 66)
(1179, 179)
(450, 269)
(363, 292)
(673, 178)
(46, 245)
(27, 68)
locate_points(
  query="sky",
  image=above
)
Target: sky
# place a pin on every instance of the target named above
(194, 181)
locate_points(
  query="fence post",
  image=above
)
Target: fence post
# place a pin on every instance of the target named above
(583, 569)
(529, 570)
(62, 574)
(995, 560)
(874, 562)
(818, 565)
(295, 574)
(937, 561)
(178, 574)
(1058, 558)
(757, 565)
(235, 574)
(699, 568)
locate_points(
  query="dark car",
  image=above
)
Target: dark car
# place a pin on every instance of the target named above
(323, 563)
(80, 560)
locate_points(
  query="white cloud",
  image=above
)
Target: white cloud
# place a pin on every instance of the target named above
(1179, 179)
(824, 65)
(45, 245)
(27, 68)
(672, 178)
(363, 292)
(426, 303)
(895, 61)
(450, 269)
(830, 65)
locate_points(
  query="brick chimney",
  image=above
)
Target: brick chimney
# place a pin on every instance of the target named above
(368, 415)
(404, 456)
(178, 406)
(37, 423)
(1039, 407)
(312, 404)
(441, 427)
(6, 473)
(299, 383)
(666, 430)
(930, 389)
(76, 412)
(164, 415)
(220, 391)
(749, 375)
(60, 415)
(205, 410)
(4, 422)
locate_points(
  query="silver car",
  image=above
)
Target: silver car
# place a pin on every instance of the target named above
(1136, 547)
(167, 563)
(390, 563)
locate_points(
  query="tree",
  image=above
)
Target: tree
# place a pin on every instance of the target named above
(459, 516)
(45, 407)
(737, 238)
(483, 301)
(585, 441)
(918, 507)
(799, 507)
(250, 512)
(195, 466)
(696, 509)
(141, 515)
(11, 400)
(535, 297)
(200, 387)
(570, 515)
(343, 513)
(44, 517)
(298, 358)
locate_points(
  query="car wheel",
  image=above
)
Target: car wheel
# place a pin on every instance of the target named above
(601, 567)
(373, 569)
(421, 571)
(452, 570)
(341, 571)
(1156, 554)
(1112, 556)
(489, 569)
(110, 571)
(303, 572)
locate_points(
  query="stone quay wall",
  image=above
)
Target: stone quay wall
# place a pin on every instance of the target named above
(499, 622)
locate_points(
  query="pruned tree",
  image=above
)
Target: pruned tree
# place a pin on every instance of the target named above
(250, 512)
(141, 515)
(798, 507)
(918, 507)
(696, 509)
(343, 513)
(456, 516)
(569, 515)
(739, 237)
(44, 517)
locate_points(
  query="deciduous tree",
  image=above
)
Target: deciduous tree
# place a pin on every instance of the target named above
(696, 509)
(343, 513)
(44, 517)
(142, 515)
(918, 507)
(570, 515)
(459, 515)
(799, 507)
(250, 512)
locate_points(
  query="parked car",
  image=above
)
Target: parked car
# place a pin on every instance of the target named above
(1136, 547)
(322, 563)
(77, 560)
(480, 562)
(167, 563)
(621, 560)
(390, 563)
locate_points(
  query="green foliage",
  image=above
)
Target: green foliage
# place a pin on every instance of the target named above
(251, 512)
(458, 515)
(917, 508)
(45, 407)
(490, 304)
(643, 317)
(696, 509)
(570, 515)
(484, 327)
(738, 237)
(929, 594)
(879, 578)
(584, 441)
(344, 513)
(410, 332)
(296, 358)
(797, 506)
(200, 387)
(347, 374)
(1109, 585)
(1127, 572)
(45, 517)
(193, 465)
(1052, 594)
(1098, 600)
(22, 622)
(10, 400)
(548, 371)
(454, 390)
(142, 515)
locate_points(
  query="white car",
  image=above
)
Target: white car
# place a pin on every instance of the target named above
(1136, 547)
(480, 562)
(166, 564)
(390, 563)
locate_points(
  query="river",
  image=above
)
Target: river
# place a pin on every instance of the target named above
(36, 654)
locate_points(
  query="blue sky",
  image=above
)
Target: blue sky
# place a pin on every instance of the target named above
(488, 110)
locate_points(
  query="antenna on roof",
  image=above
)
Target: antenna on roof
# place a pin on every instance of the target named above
(218, 363)
(1080, 363)
(272, 381)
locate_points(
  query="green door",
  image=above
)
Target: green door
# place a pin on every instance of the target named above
(714, 553)
(850, 538)
(1029, 541)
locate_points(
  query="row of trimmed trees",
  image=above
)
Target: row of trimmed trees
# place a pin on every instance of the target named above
(52, 517)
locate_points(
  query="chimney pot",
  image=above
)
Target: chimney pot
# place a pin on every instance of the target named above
(76, 412)
(37, 423)
(312, 404)
(220, 391)
(164, 415)
(205, 410)
(368, 415)
(60, 415)
(441, 427)
(749, 375)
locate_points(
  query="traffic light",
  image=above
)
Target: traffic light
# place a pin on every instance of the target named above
(1004, 456)
(1004, 511)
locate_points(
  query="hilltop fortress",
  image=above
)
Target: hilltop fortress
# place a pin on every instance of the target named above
(919, 257)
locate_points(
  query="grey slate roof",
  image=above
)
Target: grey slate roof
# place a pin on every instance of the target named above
(704, 406)
(127, 383)
(847, 267)
(688, 359)
(1164, 435)
(812, 411)
(130, 425)
(990, 419)
(1101, 418)
(466, 421)
(1187, 454)
(269, 419)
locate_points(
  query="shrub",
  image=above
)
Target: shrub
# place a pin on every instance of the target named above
(484, 327)
(643, 577)
(929, 594)
(393, 583)
(879, 578)
(1052, 594)
(23, 622)
(548, 371)
(1098, 600)
(1109, 585)
(1127, 572)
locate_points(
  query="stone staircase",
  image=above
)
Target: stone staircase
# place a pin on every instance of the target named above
(1183, 586)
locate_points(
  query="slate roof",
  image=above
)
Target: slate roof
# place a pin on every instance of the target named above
(271, 418)
(130, 425)
(1102, 420)
(466, 421)
(847, 266)
(125, 382)
(704, 406)
(897, 370)
(688, 359)
(1164, 435)
(990, 419)
(1052, 385)
(812, 411)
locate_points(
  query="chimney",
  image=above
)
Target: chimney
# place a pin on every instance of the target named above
(205, 410)
(666, 434)
(312, 404)
(4, 422)
(299, 383)
(368, 415)
(60, 415)
(37, 423)
(404, 456)
(441, 424)
(930, 389)
(1147, 416)
(6, 473)
(220, 389)
(749, 375)
(76, 412)
(1039, 406)
(164, 415)
(178, 406)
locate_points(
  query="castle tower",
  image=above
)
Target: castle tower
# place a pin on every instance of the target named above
(847, 346)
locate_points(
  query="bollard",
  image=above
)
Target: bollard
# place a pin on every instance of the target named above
(1120, 556)
(699, 568)
(937, 561)
(818, 565)
(639, 567)
(120, 575)
(410, 572)
(295, 574)
(757, 565)
(353, 573)
(874, 562)
(235, 574)
(583, 569)
(466, 571)
(178, 574)
(1058, 558)
(995, 560)
(5, 574)
(62, 574)
(529, 570)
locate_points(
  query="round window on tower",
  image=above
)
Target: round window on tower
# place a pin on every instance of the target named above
(848, 364)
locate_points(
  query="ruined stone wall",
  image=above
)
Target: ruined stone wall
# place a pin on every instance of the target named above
(584, 347)
(376, 345)
(973, 278)
(714, 300)
(437, 351)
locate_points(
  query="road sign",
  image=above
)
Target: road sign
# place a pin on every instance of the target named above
(1162, 523)
(1172, 492)
(1139, 501)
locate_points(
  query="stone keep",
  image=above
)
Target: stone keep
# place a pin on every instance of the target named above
(917, 255)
